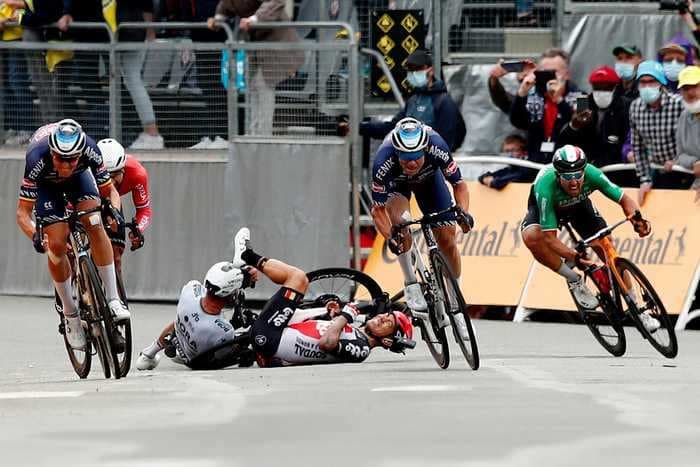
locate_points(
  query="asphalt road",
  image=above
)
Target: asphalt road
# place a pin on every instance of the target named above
(546, 395)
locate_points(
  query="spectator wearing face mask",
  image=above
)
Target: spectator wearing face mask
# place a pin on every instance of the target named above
(653, 121)
(430, 104)
(544, 110)
(688, 130)
(674, 56)
(601, 129)
(627, 59)
(514, 146)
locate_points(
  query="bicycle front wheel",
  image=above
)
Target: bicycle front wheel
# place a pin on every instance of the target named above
(79, 359)
(456, 308)
(643, 299)
(102, 328)
(123, 328)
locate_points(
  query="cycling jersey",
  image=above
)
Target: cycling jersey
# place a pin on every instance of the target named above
(388, 177)
(279, 343)
(135, 181)
(552, 201)
(197, 331)
(42, 132)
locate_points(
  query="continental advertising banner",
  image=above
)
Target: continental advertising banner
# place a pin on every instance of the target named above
(668, 257)
(495, 263)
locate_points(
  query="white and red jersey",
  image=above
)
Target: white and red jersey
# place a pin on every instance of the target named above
(299, 345)
(135, 181)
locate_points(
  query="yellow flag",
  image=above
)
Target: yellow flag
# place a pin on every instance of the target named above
(109, 11)
(54, 57)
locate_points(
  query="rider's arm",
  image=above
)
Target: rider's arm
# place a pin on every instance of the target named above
(381, 220)
(629, 205)
(329, 341)
(109, 191)
(461, 195)
(24, 217)
(141, 196)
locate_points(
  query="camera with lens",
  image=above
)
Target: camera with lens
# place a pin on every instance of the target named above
(681, 6)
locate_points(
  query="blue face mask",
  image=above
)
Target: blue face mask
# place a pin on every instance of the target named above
(624, 70)
(672, 69)
(418, 79)
(650, 94)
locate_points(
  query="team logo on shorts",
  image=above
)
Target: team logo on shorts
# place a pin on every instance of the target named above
(260, 339)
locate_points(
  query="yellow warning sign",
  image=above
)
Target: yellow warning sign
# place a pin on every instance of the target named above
(390, 62)
(409, 44)
(383, 84)
(385, 44)
(385, 23)
(409, 23)
(405, 84)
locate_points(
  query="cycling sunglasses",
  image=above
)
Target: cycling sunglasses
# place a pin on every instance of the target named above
(572, 175)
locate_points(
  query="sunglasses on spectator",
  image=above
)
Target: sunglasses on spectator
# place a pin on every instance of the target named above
(572, 175)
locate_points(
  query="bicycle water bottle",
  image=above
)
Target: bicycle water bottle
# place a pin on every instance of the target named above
(240, 70)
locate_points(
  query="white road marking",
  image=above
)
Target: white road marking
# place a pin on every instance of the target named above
(40, 394)
(424, 388)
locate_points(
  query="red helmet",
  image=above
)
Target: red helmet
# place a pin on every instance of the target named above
(404, 326)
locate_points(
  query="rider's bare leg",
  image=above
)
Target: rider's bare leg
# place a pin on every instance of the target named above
(395, 208)
(59, 266)
(534, 240)
(446, 240)
(101, 247)
(277, 271)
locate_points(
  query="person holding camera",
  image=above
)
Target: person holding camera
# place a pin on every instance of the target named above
(627, 59)
(543, 104)
(601, 121)
(499, 96)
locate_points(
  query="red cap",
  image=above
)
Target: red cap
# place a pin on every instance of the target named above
(603, 75)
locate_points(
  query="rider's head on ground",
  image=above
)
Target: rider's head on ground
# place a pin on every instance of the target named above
(385, 329)
(222, 283)
(409, 138)
(570, 163)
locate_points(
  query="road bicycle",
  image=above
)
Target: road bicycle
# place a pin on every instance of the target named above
(446, 304)
(622, 291)
(108, 339)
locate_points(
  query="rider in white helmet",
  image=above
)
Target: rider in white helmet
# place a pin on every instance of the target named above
(204, 337)
(128, 176)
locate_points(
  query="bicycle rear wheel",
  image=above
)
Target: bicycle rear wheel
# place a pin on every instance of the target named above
(342, 284)
(102, 328)
(642, 298)
(605, 322)
(124, 330)
(455, 306)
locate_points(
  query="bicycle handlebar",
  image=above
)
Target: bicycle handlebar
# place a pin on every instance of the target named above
(429, 218)
(583, 244)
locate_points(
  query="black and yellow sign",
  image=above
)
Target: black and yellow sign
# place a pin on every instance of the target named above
(395, 34)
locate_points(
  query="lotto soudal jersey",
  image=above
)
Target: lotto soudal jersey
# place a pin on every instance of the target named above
(387, 174)
(198, 332)
(299, 345)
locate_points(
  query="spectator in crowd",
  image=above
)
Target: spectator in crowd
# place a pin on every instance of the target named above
(544, 108)
(627, 59)
(653, 121)
(14, 94)
(131, 64)
(674, 56)
(499, 96)
(514, 146)
(691, 19)
(430, 104)
(36, 14)
(524, 14)
(688, 130)
(267, 68)
(601, 128)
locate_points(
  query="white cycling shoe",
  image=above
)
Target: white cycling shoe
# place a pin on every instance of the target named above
(240, 244)
(119, 310)
(414, 297)
(650, 323)
(75, 334)
(144, 362)
(583, 295)
(461, 324)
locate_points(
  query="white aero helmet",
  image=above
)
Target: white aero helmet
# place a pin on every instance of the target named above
(410, 136)
(223, 279)
(113, 155)
(67, 140)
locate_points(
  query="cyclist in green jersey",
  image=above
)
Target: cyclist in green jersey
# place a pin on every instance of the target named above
(560, 194)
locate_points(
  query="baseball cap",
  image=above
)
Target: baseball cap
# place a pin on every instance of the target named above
(689, 76)
(627, 48)
(652, 68)
(603, 75)
(419, 58)
(672, 47)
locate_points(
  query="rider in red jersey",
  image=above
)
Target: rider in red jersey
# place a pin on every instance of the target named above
(129, 176)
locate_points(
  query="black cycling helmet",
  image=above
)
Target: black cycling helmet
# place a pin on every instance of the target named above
(569, 159)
